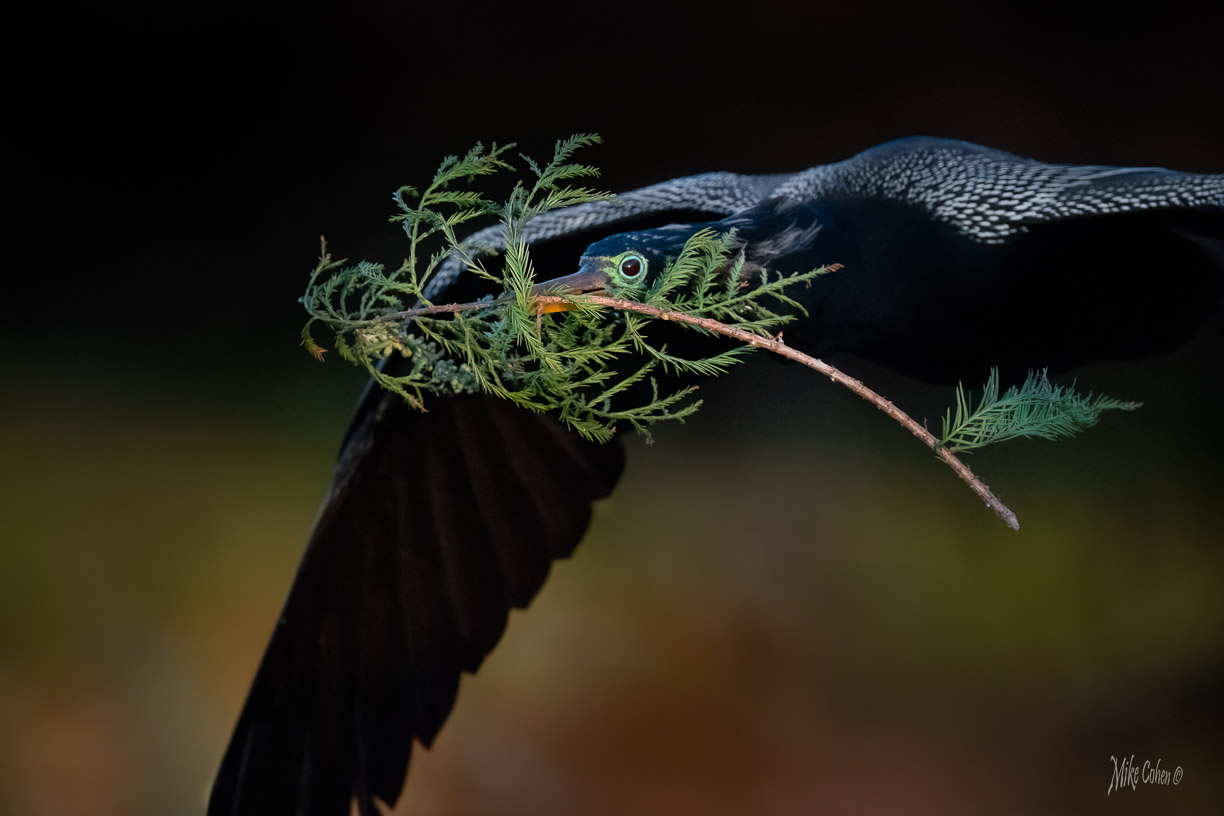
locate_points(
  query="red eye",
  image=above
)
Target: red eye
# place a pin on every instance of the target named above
(631, 267)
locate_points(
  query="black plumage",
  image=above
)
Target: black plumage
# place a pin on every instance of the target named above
(435, 526)
(954, 258)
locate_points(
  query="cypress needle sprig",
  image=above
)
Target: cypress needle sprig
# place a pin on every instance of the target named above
(595, 369)
(1038, 408)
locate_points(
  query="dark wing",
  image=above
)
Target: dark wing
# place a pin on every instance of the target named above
(705, 196)
(989, 195)
(436, 525)
(960, 257)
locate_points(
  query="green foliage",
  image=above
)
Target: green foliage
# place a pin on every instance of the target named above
(596, 367)
(1036, 409)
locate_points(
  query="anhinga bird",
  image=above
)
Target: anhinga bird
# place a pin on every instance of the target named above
(954, 258)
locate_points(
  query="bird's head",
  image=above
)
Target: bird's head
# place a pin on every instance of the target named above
(625, 264)
(777, 231)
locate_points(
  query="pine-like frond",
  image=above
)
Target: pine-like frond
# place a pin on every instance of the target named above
(1038, 408)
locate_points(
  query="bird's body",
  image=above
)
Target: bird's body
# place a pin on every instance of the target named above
(954, 258)
(950, 267)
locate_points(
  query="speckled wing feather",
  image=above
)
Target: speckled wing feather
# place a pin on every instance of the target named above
(960, 258)
(989, 195)
(712, 195)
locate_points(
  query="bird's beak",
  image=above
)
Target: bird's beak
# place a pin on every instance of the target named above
(589, 279)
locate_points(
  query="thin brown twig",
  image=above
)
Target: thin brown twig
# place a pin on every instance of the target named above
(773, 344)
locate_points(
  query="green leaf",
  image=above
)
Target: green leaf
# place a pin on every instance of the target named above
(1038, 408)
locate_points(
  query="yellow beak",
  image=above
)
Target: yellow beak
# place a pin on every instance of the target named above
(590, 278)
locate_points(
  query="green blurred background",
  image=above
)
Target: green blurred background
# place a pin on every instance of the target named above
(788, 606)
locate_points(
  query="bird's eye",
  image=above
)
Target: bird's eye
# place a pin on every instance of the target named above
(631, 266)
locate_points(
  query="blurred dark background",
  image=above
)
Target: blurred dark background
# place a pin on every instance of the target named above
(788, 607)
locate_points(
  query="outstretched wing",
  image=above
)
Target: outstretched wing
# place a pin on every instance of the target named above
(959, 258)
(705, 196)
(436, 525)
(989, 195)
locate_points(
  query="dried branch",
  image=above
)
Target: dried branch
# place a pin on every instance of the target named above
(772, 344)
